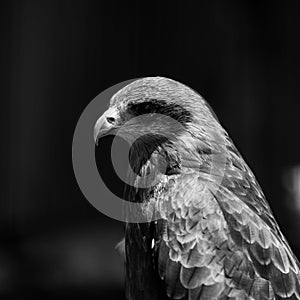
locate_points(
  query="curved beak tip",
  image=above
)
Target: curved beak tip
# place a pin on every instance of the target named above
(103, 127)
(95, 137)
(100, 129)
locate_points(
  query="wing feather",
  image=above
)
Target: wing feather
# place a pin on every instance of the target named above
(228, 244)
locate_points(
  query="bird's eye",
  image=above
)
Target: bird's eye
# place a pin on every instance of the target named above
(110, 120)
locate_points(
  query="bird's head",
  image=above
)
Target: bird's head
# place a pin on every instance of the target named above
(157, 114)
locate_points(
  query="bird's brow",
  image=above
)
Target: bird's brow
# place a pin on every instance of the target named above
(171, 109)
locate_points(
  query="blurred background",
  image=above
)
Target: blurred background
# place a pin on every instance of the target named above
(56, 56)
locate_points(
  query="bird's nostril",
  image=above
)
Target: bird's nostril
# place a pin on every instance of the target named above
(110, 120)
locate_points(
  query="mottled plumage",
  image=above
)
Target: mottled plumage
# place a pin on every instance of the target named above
(217, 238)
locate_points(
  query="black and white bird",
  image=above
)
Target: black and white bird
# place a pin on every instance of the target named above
(218, 238)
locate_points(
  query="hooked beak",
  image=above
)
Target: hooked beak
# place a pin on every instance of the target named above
(105, 124)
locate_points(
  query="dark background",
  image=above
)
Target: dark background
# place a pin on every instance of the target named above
(56, 56)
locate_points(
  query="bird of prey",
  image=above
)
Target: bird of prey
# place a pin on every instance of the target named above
(216, 237)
